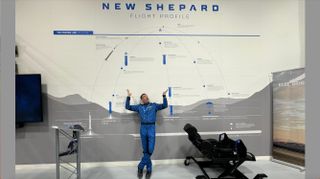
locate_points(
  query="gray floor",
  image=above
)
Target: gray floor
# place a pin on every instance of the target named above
(170, 171)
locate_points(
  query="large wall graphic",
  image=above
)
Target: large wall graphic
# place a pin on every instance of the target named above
(215, 57)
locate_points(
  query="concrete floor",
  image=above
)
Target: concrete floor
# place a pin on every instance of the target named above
(170, 171)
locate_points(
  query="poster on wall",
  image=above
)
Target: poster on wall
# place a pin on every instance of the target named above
(208, 54)
(289, 116)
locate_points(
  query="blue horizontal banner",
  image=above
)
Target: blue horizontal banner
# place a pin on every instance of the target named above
(72, 32)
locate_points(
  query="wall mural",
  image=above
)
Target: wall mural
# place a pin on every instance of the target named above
(210, 55)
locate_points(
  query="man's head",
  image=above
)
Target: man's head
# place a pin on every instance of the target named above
(144, 98)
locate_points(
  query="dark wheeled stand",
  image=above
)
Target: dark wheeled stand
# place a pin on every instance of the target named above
(75, 170)
(230, 168)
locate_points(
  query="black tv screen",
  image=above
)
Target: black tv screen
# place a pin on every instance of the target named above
(28, 98)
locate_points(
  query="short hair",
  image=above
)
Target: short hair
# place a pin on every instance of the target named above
(142, 95)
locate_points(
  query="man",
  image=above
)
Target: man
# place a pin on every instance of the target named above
(147, 112)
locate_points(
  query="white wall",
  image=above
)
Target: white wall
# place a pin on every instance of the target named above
(302, 25)
(72, 65)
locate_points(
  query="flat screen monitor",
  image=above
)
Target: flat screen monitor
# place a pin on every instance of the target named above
(28, 98)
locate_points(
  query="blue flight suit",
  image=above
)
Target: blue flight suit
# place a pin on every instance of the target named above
(147, 113)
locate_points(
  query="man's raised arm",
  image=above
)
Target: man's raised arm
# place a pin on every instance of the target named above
(165, 101)
(128, 106)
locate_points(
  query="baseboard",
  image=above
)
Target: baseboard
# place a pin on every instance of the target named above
(125, 163)
(301, 168)
(259, 158)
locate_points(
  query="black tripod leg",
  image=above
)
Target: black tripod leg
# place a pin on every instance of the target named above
(232, 171)
(239, 174)
(205, 175)
(260, 176)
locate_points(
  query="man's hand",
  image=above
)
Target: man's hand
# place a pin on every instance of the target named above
(165, 92)
(129, 93)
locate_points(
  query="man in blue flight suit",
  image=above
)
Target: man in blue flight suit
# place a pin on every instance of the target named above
(147, 112)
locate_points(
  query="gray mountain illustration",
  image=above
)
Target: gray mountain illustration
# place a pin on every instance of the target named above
(118, 133)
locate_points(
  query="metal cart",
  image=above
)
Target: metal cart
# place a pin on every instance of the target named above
(60, 163)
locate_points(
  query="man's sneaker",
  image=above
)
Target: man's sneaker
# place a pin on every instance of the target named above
(140, 173)
(148, 174)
